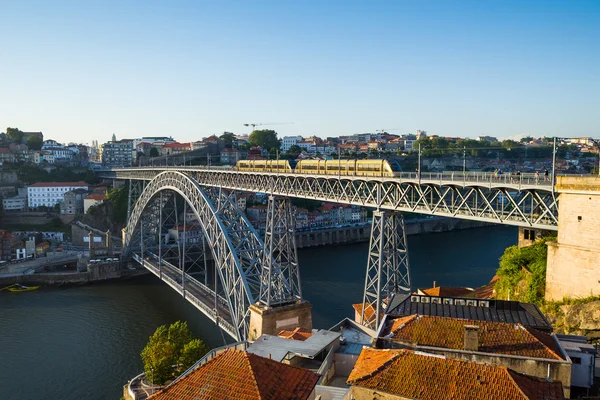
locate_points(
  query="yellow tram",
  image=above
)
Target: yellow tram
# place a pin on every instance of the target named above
(322, 167)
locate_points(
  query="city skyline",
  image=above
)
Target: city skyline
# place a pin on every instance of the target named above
(81, 72)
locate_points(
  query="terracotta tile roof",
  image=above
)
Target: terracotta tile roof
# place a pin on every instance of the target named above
(296, 334)
(427, 377)
(369, 311)
(96, 196)
(236, 374)
(494, 337)
(487, 291)
(59, 184)
(446, 291)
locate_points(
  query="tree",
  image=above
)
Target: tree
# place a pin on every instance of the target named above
(265, 138)
(158, 356)
(228, 138)
(170, 351)
(14, 134)
(294, 151)
(34, 143)
(192, 352)
(153, 152)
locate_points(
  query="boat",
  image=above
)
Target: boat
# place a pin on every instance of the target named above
(20, 288)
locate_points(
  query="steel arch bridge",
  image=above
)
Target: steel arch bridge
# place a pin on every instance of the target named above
(238, 252)
(251, 272)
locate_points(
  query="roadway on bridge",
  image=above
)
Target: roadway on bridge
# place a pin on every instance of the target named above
(195, 291)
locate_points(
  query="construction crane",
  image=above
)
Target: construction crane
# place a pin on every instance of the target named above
(387, 130)
(268, 123)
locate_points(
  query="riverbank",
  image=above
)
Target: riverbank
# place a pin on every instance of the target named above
(362, 233)
(72, 277)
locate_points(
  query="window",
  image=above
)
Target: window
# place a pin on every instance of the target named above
(576, 360)
(529, 234)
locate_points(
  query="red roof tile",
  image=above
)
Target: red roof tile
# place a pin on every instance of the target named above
(4, 150)
(296, 334)
(236, 374)
(446, 291)
(57, 184)
(494, 337)
(96, 196)
(427, 377)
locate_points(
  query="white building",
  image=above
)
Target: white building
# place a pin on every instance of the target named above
(17, 203)
(289, 141)
(51, 193)
(583, 357)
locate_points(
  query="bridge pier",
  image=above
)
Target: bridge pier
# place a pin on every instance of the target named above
(388, 271)
(574, 259)
(280, 304)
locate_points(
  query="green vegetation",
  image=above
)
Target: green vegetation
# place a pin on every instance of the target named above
(170, 351)
(56, 225)
(34, 143)
(154, 152)
(265, 138)
(119, 199)
(14, 134)
(294, 151)
(228, 138)
(32, 174)
(522, 273)
(440, 147)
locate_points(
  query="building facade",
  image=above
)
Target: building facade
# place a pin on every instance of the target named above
(73, 202)
(17, 203)
(49, 194)
(117, 154)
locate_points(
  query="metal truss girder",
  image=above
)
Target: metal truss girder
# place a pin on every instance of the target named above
(280, 280)
(218, 227)
(388, 270)
(466, 200)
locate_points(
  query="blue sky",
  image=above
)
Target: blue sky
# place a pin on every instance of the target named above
(83, 70)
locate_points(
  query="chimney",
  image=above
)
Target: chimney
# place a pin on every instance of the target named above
(434, 282)
(471, 337)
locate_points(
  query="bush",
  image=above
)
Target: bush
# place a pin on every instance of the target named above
(522, 273)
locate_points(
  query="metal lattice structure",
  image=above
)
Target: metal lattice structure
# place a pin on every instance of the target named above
(388, 270)
(280, 281)
(527, 203)
(235, 247)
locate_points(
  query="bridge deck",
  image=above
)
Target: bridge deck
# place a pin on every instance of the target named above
(524, 200)
(201, 296)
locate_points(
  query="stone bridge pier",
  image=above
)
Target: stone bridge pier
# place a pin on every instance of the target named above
(574, 258)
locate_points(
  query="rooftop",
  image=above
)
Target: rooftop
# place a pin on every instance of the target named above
(525, 314)
(494, 337)
(96, 196)
(427, 377)
(244, 375)
(278, 348)
(59, 184)
(296, 334)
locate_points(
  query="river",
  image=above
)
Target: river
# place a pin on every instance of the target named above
(84, 341)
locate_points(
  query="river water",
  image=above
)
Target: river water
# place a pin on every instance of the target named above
(84, 341)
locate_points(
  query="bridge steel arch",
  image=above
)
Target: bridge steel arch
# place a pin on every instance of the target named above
(239, 278)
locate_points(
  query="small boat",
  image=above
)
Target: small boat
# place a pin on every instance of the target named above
(20, 288)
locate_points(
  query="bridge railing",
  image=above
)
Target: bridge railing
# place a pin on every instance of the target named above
(525, 178)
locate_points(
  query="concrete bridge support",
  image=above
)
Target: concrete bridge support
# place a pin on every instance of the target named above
(388, 271)
(574, 259)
